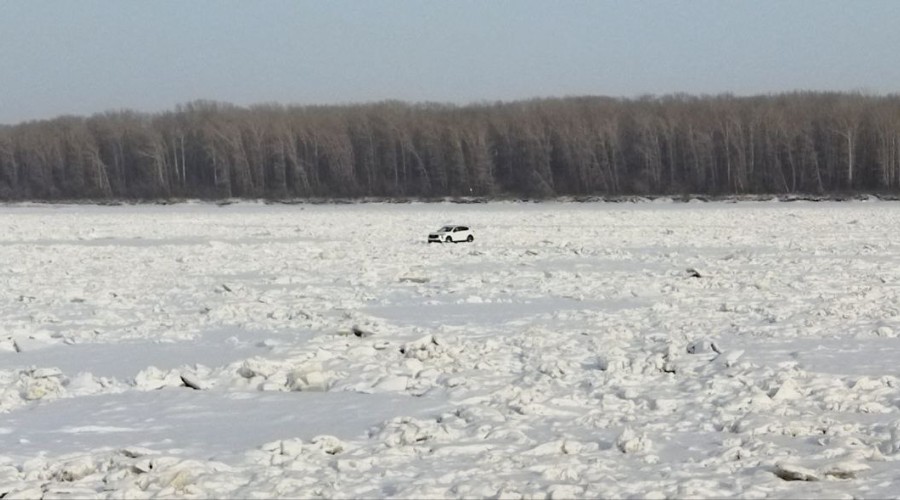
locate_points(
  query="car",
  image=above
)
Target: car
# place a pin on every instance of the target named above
(451, 234)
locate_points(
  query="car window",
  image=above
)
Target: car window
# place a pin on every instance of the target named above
(463, 228)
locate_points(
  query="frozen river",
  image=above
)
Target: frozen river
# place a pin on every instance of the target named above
(260, 351)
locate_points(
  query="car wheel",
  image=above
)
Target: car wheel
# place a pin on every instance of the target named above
(470, 239)
(449, 240)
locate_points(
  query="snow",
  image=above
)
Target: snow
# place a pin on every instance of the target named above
(573, 350)
(197, 424)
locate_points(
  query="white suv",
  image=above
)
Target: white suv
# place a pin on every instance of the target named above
(451, 234)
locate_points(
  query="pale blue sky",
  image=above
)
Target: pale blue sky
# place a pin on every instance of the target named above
(87, 56)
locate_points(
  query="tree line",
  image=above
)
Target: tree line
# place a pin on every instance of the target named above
(801, 142)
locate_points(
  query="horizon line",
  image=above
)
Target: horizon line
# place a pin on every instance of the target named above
(861, 92)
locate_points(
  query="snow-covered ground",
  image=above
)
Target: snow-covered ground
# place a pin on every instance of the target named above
(259, 351)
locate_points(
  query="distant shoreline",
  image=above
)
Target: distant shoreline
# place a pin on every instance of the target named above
(781, 198)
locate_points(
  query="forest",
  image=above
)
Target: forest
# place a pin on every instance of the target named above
(803, 142)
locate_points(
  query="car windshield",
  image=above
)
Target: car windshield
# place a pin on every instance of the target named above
(445, 229)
